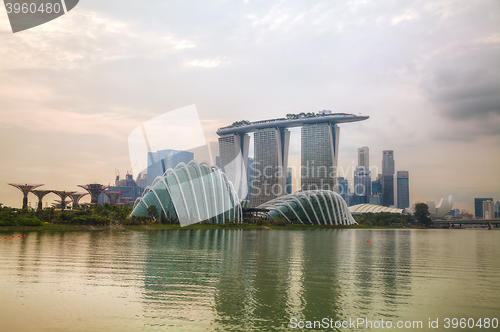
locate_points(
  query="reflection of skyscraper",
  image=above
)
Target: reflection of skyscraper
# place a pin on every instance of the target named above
(320, 142)
(388, 177)
(270, 164)
(403, 190)
(233, 149)
(364, 157)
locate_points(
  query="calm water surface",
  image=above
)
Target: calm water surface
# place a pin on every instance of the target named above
(231, 280)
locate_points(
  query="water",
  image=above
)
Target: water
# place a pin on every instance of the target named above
(233, 280)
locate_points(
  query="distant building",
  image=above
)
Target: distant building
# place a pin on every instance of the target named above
(497, 210)
(377, 186)
(160, 161)
(403, 189)
(376, 199)
(488, 210)
(343, 187)
(270, 164)
(319, 156)
(478, 206)
(364, 157)
(388, 190)
(388, 162)
(362, 184)
(388, 177)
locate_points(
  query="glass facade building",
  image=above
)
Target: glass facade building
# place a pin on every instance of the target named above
(270, 164)
(191, 193)
(316, 207)
(478, 206)
(403, 183)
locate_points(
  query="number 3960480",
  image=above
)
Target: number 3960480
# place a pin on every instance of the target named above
(32, 8)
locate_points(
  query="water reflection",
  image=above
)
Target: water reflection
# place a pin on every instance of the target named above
(227, 280)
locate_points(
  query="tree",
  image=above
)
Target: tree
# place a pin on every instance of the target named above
(422, 214)
(153, 212)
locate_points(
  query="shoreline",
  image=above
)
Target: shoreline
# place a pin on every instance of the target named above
(61, 228)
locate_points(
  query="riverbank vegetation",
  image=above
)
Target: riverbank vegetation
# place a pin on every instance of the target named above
(90, 217)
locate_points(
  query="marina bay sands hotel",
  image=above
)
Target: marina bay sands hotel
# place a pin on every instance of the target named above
(319, 153)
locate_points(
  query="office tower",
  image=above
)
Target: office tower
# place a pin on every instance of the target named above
(319, 156)
(388, 162)
(270, 164)
(388, 177)
(364, 157)
(362, 185)
(342, 187)
(160, 161)
(478, 206)
(497, 210)
(488, 210)
(233, 149)
(289, 181)
(377, 186)
(403, 189)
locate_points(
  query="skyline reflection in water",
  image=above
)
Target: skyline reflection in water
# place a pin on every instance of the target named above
(240, 280)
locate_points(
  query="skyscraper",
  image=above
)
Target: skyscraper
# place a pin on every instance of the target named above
(388, 177)
(289, 181)
(342, 187)
(320, 142)
(478, 206)
(362, 185)
(497, 210)
(161, 160)
(488, 210)
(364, 157)
(270, 164)
(388, 162)
(403, 189)
(233, 149)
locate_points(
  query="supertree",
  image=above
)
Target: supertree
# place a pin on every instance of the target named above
(40, 194)
(94, 190)
(76, 198)
(25, 188)
(63, 195)
(113, 195)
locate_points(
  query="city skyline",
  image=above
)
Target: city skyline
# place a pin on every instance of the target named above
(73, 89)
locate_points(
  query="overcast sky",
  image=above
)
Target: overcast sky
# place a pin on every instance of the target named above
(426, 72)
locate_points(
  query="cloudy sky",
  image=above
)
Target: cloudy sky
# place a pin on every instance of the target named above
(426, 72)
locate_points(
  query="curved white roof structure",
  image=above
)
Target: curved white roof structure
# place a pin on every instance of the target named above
(371, 208)
(316, 207)
(192, 193)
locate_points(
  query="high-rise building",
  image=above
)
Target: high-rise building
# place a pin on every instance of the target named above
(249, 178)
(403, 189)
(497, 210)
(320, 142)
(270, 164)
(388, 177)
(478, 206)
(342, 187)
(362, 183)
(233, 150)
(160, 161)
(364, 157)
(377, 186)
(388, 162)
(488, 210)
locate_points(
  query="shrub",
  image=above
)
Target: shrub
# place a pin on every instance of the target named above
(30, 222)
